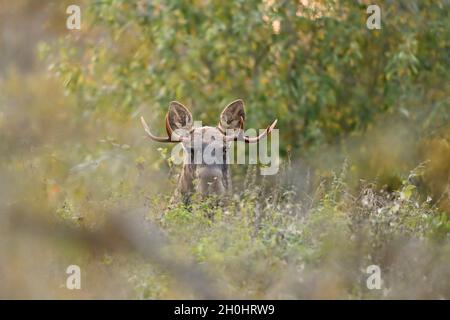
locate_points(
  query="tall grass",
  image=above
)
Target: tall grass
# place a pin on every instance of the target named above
(275, 243)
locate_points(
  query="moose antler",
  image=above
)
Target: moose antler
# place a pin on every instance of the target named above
(161, 139)
(240, 137)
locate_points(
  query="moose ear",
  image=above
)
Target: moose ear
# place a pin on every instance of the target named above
(179, 117)
(232, 115)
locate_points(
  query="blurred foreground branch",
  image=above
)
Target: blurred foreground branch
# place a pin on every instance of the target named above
(126, 232)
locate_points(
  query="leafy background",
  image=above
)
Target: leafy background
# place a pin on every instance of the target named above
(364, 130)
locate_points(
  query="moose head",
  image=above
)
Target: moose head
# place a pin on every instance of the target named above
(210, 169)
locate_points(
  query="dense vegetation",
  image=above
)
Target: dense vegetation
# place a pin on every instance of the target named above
(364, 126)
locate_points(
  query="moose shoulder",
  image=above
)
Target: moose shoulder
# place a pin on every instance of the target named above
(211, 169)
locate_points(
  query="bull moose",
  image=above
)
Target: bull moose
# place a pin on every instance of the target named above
(213, 174)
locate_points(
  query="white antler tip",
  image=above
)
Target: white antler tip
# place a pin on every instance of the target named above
(272, 126)
(144, 124)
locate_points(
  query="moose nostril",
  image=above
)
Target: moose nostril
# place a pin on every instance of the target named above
(210, 176)
(212, 180)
